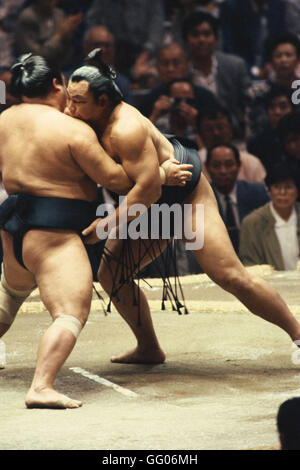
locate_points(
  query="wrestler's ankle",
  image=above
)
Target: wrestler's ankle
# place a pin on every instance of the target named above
(144, 343)
(150, 349)
(40, 388)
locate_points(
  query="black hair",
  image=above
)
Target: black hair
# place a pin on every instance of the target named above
(283, 38)
(232, 147)
(212, 111)
(280, 172)
(178, 80)
(32, 76)
(101, 77)
(288, 423)
(275, 92)
(196, 18)
(289, 124)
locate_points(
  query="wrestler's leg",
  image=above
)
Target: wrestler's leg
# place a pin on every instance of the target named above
(148, 349)
(218, 259)
(16, 283)
(63, 274)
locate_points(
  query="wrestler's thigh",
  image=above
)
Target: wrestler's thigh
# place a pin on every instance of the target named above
(137, 255)
(217, 256)
(16, 276)
(62, 270)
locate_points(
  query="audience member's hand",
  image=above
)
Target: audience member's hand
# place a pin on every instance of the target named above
(188, 112)
(142, 68)
(161, 106)
(68, 25)
(264, 72)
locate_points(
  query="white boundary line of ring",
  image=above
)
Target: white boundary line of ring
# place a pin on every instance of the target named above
(105, 382)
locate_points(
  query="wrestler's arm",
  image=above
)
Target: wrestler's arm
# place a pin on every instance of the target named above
(139, 159)
(96, 163)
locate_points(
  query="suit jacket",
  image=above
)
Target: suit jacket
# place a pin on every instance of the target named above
(232, 83)
(250, 196)
(258, 241)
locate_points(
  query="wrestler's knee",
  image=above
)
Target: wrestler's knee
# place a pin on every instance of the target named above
(80, 316)
(70, 323)
(235, 281)
(10, 301)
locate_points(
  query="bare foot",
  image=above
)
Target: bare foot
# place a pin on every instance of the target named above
(138, 356)
(49, 398)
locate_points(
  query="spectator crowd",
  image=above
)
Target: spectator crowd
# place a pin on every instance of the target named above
(223, 74)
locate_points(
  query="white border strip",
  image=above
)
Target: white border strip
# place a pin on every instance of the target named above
(104, 382)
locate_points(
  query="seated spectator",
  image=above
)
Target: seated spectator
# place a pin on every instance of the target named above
(288, 424)
(172, 65)
(137, 28)
(214, 127)
(44, 30)
(246, 25)
(266, 145)
(101, 37)
(289, 135)
(283, 53)
(176, 112)
(236, 198)
(178, 10)
(270, 235)
(223, 74)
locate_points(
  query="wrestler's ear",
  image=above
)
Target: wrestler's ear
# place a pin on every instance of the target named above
(103, 100)
(58, 86)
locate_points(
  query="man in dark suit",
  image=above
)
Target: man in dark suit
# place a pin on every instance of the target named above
(236, 198)
(225, 75)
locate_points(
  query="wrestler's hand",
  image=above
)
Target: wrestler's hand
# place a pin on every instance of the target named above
(177, 174)
(89, 233)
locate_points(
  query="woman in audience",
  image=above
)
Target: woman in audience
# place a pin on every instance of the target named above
(271, 234)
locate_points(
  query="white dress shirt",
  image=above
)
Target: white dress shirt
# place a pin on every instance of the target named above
(286, 232)
(206, 81)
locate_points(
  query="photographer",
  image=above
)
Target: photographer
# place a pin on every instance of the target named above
(177, 111)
